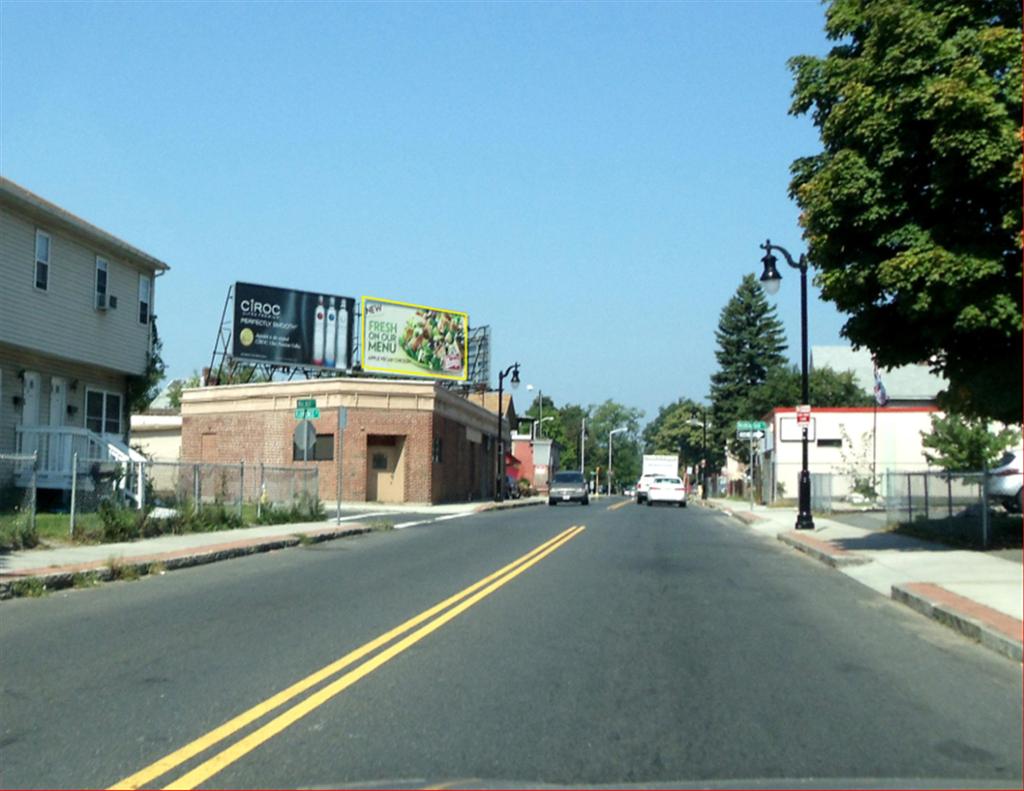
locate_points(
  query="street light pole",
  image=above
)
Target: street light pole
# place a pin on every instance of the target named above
(771, 280)
(703, 450)
(583, 444)
(499, 492)
(611, 434)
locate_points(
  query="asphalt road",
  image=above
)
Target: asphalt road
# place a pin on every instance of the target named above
(656, 646)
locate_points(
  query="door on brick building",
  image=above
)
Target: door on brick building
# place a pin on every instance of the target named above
(385, 474)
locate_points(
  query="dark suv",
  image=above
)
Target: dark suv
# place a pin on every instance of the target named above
(568, 487)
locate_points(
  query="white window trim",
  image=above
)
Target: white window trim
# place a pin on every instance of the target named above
(36, 260)
(96, 282)
(103, 419)
(144, 278)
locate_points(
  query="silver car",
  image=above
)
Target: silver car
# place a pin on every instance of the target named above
(1005, 479)
(568, 487)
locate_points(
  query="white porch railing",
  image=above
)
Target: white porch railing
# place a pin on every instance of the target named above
(55, 447)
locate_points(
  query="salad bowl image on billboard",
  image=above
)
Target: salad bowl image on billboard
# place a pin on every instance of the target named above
(414, 340)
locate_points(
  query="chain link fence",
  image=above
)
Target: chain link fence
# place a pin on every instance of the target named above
(954, 504)
(18, 495)
(120, 500)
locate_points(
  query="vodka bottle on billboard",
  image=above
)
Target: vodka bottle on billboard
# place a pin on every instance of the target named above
(319, 318)
(331, 344)
(343, 329)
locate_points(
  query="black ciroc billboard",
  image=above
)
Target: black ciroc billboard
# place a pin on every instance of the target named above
(281, 326)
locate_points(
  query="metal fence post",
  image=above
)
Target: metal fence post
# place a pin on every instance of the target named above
(259, 495)
(927, 475)
(910, 498)
(196, 488)
(985, 538)
(949, 496)
(241, 485)
(35, 481)
(74, 492)
(141, 484)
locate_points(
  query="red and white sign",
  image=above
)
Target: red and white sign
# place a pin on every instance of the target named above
(803, 413)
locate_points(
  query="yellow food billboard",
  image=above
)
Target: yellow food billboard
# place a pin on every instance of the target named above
(414, 340)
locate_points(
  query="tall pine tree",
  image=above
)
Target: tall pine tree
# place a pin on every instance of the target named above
(750, 344)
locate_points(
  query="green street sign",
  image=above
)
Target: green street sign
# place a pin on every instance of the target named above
(751, 425)
(306, 403)
(307, 414)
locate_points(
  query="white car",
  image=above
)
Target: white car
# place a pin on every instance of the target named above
(643, 484)
(665, 489)
(1005, 478)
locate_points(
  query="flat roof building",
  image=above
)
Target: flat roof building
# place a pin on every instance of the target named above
(403, 441)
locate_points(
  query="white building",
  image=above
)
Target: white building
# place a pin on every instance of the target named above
(850, 443)
(76, 312)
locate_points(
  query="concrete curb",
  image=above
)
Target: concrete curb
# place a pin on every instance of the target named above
(746, 517)
(821, 550)
(994, 630)
(508, 504)
(58, 577)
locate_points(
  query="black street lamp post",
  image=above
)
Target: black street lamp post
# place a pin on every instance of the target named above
(499, 491)
(771, 280)
(703, 450)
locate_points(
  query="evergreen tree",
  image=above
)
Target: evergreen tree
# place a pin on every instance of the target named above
(750, 344)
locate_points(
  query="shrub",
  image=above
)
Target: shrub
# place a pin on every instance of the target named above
(18, 533)
(119, 523)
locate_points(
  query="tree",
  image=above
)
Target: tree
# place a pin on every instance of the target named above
(626, 446)
(912, 211)
(964, 444)
(676, 431)
(828, 388)
(143, 389)
(750, 344)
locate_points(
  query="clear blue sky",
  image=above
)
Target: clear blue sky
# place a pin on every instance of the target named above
(592, 180)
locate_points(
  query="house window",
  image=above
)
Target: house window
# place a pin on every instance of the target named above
(103, 412)
(322, 450)
(145, 287)
(42, 260)
(438, 450)
(101, 283)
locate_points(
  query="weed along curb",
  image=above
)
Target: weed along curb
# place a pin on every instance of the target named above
(36, 582)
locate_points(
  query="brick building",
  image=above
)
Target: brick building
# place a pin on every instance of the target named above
(404, 441)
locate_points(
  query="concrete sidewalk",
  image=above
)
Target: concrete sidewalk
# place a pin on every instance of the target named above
(973, 592)
(62, 566)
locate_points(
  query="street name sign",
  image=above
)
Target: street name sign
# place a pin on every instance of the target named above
(306, 403)
(311, 413)
(751, 425)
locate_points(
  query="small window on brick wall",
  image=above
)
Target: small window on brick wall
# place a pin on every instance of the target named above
(438, 450)
(322, 450)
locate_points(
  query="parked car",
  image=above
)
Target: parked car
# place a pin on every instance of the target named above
(568, 487)
(1005, 480)
(643, 484)
(630, 491)
(665, 489)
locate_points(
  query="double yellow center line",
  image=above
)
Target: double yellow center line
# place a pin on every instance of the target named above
(445, 611)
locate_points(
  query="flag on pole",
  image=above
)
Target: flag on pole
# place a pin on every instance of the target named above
(881, 397)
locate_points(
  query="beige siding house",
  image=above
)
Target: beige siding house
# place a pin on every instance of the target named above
(76, 312)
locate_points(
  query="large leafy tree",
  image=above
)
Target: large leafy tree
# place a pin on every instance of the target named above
(912, 211)
(626, 446)
(783, 388)
(750, 344)
(676, 430)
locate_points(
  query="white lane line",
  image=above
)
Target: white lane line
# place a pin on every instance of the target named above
(430, 521)
(360, 516)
